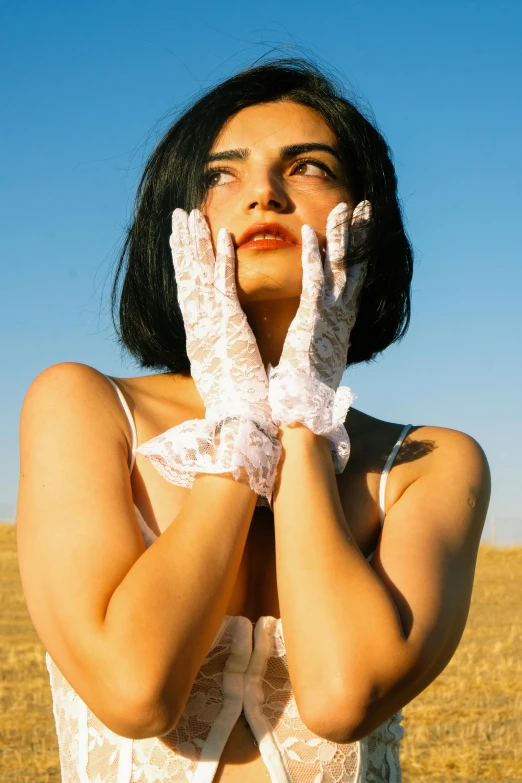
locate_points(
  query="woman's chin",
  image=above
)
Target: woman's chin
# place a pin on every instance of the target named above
(266, 276)
(267, 291)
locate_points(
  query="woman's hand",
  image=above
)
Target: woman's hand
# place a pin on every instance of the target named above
(237, 435)
(304, 387)
(225, 362)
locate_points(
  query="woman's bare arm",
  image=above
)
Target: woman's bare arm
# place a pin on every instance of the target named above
(128, 627)
(363, 640)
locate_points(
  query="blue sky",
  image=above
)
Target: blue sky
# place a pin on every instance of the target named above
(88, 88)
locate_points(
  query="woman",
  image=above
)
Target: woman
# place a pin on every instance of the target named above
(160, 576)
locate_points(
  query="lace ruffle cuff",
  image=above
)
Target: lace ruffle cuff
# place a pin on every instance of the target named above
(299, 397)
(237, 445)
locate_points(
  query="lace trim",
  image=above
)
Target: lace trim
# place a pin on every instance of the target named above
(300, 397)
(246, 449)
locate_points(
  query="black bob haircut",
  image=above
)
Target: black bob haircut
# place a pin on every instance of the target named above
(145, 309)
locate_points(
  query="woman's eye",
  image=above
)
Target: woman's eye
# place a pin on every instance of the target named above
(218, 177)
(310, 169)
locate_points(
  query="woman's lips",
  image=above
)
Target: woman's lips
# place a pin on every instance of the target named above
(266, 244)
(266, 236)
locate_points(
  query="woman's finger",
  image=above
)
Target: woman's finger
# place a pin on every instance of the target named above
(225, 274)
(336, 250)
(354, 282)
(313, 275)
(362, 212)
(182, 258)
(202, 245)
(180, 243)
(204, 264)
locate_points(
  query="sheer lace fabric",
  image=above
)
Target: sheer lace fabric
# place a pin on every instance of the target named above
(235, 674)
(237, 435)
(304, 386)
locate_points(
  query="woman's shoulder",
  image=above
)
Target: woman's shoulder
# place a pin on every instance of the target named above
(74, 390)
(426, 452)
(69, 396)
(156, 389)
(419, 440)
(444, 454)
(67, 383)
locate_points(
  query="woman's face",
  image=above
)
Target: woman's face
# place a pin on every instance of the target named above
(273, 168)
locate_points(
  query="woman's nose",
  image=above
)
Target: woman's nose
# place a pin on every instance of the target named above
(265, 192)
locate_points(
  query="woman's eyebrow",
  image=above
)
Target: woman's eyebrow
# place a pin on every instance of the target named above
(285, 153)
(299, 149)
(239, 154)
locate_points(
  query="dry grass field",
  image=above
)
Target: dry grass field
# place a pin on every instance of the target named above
(467, 726)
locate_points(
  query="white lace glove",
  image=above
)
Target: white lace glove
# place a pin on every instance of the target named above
(237, 435)
(304, 387)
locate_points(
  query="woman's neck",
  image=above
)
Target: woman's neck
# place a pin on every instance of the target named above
(269, 321)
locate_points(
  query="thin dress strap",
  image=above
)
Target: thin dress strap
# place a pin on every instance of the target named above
(387, 468)
(132, 425)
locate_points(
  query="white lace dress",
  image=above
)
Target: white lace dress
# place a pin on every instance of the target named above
(236, 674)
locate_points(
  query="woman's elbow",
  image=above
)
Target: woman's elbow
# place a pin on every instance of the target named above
(140, 722)
(346, 718)
(337, 719)
(136, 715)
